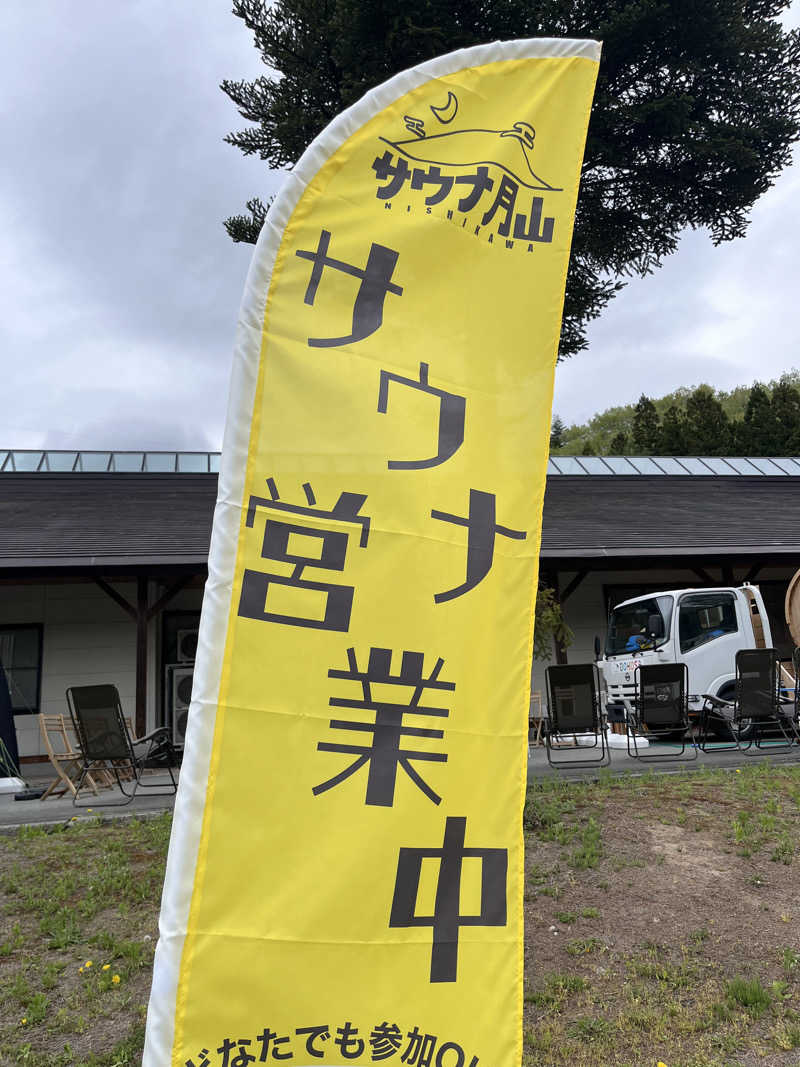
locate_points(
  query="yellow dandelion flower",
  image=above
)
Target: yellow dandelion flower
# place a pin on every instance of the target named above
(106, 966)
(115, 979)
(738, 770)
(661, 1064)
(88, 963)
(24, 1021)
(80, 970)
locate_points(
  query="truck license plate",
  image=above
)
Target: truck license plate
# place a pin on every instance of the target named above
(627, 666)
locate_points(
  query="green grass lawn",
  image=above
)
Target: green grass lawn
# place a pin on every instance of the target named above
(662, 920)
(79, 926)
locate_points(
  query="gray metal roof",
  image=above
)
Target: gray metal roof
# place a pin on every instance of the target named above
(82, 461)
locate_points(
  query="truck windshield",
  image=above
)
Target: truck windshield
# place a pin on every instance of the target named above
(628, 627)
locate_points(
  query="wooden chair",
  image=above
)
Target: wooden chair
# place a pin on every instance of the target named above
(62, 751)
(123, 767)
(536, 719)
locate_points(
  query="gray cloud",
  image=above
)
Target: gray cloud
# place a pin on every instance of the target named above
(118, 285)
(719, 315)
(119, 288)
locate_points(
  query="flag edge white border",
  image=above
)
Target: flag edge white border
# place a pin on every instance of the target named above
(192, 793)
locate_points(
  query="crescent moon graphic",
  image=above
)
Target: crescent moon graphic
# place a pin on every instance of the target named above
(448, 111)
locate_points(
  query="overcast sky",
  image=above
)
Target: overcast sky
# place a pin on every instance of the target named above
(119, 288)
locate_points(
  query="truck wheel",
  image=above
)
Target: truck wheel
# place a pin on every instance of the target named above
(721, 729)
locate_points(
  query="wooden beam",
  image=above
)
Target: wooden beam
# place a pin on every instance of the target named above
(753, 573)
(118, 598)
(704, 576)
(142, 614)
(573, 585)
(141, 656)
(171, 592)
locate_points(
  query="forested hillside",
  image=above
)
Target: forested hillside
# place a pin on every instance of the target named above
(757, 420)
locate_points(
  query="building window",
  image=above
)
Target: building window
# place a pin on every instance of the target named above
(21, 659)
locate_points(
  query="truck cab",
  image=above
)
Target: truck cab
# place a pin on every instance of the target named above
(703, 628)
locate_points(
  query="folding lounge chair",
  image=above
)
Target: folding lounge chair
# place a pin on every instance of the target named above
(63, 754)
(661, 709)
(757, 706)
(573, 700)
(105, 742)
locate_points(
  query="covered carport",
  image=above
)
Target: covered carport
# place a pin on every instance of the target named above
(615, 528)
(98, 548)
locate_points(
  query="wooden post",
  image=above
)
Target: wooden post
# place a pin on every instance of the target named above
(141, 656)
(142, 614)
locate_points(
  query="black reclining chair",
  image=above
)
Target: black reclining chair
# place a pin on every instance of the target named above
(105, 743)
(661, 710)
(758, 707)
(574, 709)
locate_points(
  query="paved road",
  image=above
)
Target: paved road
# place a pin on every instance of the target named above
(59, 810)
(621, 762)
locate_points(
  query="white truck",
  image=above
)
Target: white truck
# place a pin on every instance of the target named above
(703, 628)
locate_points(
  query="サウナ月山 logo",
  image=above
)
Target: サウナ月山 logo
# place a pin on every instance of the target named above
(485, 179)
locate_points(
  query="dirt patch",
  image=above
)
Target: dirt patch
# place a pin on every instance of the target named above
(678, 942)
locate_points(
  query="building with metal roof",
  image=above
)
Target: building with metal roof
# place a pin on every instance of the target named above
(676, 466)
(103, 557)
(132, 462)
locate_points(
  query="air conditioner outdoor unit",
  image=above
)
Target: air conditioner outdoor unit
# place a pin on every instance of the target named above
(182, 678)
(187, 646)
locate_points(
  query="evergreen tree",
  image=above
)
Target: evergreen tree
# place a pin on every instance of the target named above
(696, 109)
(557, 433)
(618, 445)
(646, 427)
(708, 428)
(759, 432)
(588, 449)
(786, 411)
(672, 439)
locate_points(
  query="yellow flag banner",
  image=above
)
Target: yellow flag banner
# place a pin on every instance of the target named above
(345, 877)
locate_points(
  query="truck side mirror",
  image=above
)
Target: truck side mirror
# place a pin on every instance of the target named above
(655, 625)
(598, 648)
